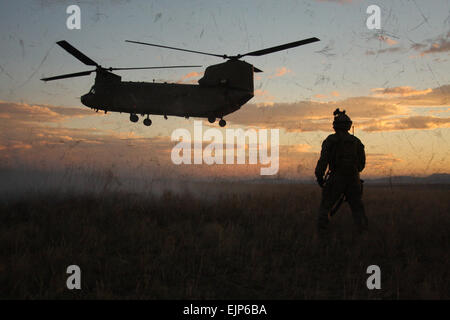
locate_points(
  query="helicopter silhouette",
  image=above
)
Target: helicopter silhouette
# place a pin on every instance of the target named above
(222, 90)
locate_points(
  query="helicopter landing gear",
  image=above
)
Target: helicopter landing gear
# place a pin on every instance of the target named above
(147, 122)
(222, 123)
(134, 118)
(211, 119)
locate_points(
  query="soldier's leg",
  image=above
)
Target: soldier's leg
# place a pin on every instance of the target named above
(354, 197)
(330, 195)
(325, 207)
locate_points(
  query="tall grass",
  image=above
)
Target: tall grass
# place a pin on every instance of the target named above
(230, 241)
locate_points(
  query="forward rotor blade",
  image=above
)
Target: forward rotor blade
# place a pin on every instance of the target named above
(173, 48)
(76, 53)
(141, 68)
(69, 75)
(281, 47)
(255, 69)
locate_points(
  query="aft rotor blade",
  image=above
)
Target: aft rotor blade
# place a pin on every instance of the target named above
(173, 48)
(281, 47)
(69, 75)
(163, 67)
(76, 53)
(255, 69)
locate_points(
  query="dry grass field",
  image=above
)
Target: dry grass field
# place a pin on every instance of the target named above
(225, 241)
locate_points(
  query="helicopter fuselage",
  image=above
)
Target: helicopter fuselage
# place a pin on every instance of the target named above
(169, 99)
(224, 88)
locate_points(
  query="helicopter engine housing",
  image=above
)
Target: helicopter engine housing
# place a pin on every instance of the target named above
(233, 74)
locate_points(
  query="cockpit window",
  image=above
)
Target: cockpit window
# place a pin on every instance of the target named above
(92, 90)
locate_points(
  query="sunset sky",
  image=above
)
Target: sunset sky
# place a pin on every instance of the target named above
(394, 82)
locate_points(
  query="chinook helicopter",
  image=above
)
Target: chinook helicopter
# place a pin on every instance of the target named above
(222, 90)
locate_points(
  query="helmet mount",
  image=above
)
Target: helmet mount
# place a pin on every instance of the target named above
(341, 120)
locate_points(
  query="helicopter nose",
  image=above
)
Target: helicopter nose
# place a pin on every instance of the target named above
(85, 100)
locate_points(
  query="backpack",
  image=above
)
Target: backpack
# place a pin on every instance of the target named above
(345, 159)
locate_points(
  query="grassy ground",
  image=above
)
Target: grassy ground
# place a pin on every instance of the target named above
(249, 241)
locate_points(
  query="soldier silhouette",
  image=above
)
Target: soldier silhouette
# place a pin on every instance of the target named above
(345, 158)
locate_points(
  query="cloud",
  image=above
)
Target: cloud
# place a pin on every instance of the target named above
(442, 46)
(439, 96)
(387, 40)
(381, 51)
(418, 46)
(383, 38)
(263, 98)
(48, 147)
(279, 72)
(308, 115)
(259, 93)
(404, 91)
(386, 110)
(190, 75)
(10, 145)
(282, 71)
(40, 113)
(408, 123)
(44, 146)
(31, 129)
(324, 96)
(438, 44)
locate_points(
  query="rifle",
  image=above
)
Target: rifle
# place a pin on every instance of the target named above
(326, 178)
(343, 198)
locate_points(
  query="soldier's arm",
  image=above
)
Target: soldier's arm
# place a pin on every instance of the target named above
(324, 159)
(361, 156)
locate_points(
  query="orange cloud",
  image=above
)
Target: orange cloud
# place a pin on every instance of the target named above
(324, 96)
(190, 75)
(387, 40)
(437, 45)
(15, 145)
(297, 148)
(404, 91)
(335, 94)
(409, 123)
(259, 92)
(265, 97)
(40, 113)
(44, 146)
(389, 108)
(282, 71)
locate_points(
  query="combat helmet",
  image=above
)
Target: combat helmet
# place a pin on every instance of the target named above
(341, 120)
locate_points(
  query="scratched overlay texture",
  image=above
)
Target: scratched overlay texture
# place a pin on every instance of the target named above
(393, 82)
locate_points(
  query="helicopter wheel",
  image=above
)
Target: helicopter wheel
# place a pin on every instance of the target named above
(211, 119)
(134, 118)
(147, 122)
(222, 123)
